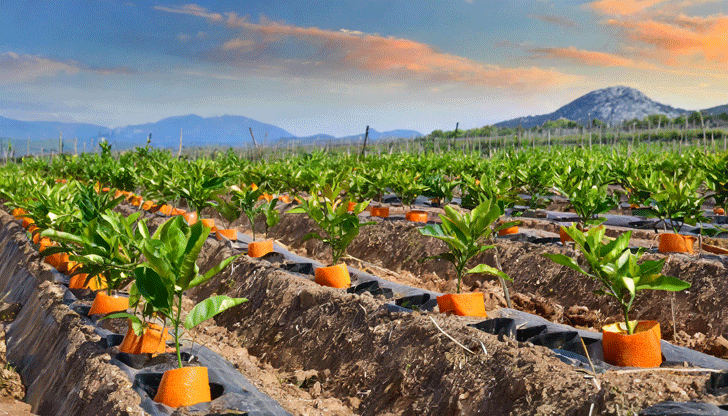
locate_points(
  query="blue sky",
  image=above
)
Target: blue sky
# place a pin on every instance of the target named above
(335, 66)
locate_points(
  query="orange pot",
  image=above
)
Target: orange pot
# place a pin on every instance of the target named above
(260, 248)
(639, 350)
(514, 230)
(57, 260)
(350, 206)
(166, 209)
(676, 243)
(18, 213)
(463, 304)
(718, 211)
(105, 304)
(27, 222)
(333, 276)
(184, 387)
(153, 340)
(209, 223)
(382, 212)
(177, 211)
(44, 243)
(190, 217)
(231, 234)
(79, 282)
(416, 216)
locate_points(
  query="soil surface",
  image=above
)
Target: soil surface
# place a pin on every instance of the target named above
(381, 363)
(394, 249)
(12, 390)
(320, 351)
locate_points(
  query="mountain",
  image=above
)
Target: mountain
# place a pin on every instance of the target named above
(716, 111)
(392, 134)
(198, 131)
(49, 130)
(233, 131)
(611, 105)
(374, 135)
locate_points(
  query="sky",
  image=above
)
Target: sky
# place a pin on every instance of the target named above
(335, 66)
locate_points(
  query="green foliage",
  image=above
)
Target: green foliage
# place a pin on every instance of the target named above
(407, 185)
(673, 196)
(616, 268)
(587, 192)
(463, 233)
(242, 200)
(170, 269)
(339, 227)
(108, 245)
(439, 187)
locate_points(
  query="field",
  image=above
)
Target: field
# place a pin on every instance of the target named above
(316, 350)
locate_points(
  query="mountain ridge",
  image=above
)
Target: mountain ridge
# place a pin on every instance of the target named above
(226, 130)
(610, 105)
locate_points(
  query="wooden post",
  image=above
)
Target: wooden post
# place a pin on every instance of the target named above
(75, 147)
(179, 151)
(60, 142)
(364, 145)
(29, 146)
(705, 138)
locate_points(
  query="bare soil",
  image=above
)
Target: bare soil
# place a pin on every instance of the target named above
(12, 390)
(346, 347)
(320, 351)
(393, 248)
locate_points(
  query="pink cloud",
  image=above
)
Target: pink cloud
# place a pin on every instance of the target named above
(590, 58)
(622, 7)
(320, 51)
(21, 68)
(679, 38)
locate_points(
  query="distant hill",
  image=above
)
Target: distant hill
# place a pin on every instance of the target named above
(49, 130)
(611, 105)
(233, 131)
(374, 135)
(198, 131)
(716, 111)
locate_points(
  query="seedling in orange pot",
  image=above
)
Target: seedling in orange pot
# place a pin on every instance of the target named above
(463, 233)
(170, 269)
(108, 247)
(616, 269)
(338, 226)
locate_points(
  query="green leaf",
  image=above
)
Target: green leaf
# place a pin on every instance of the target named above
(566, 261)
(209, 308)
(212, 272)
(154, 289)
(188, 270)
(484, 268)
(662, 282)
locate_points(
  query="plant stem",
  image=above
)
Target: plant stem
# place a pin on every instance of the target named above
(506, 294)
(176, 331)
(625, 311)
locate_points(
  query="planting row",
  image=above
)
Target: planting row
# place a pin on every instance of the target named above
(331, 208)
(109, 247)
